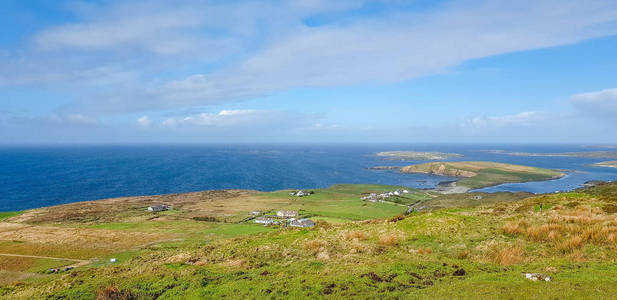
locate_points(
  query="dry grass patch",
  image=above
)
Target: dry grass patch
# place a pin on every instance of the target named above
(507, 255)
(515, 228)
(314, 245)
(388, 239)
(235, 263)
(424, 251)
(15, 263)
(356, 235)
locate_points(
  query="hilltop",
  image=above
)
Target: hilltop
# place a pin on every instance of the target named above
(482, 250)
(479, 174)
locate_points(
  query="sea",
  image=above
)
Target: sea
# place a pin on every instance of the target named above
(37, 176)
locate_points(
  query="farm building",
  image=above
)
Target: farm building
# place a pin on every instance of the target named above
(265, 221)
(302, 223)
(156, 208)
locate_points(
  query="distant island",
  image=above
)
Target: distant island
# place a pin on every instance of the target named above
(610, 164)
(479, 174)
(586, 154)
(415, 155)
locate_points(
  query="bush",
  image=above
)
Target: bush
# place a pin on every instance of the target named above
(388, 240)
(113, 293)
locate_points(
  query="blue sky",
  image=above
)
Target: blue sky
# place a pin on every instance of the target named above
(315, 70)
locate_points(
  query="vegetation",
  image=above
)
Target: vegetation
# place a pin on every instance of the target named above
(478, 249)
(478, 174)
(414, 155)
(9, 214)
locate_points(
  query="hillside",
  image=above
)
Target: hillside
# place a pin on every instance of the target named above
(479, 252)
(478, 174)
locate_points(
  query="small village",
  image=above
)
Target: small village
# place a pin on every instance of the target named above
(374, 197)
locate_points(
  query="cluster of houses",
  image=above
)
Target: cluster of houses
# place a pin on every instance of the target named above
(288, 217)
(301, 193)
(374, 197)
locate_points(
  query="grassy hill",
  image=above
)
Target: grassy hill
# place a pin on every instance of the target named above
(478, 174)
(475, 251)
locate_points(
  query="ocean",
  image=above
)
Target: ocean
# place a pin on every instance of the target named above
(36, 176)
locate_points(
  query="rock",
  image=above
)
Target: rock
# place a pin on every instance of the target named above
(537, 277)
(459, 272)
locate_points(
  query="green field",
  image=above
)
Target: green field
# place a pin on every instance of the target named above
(9, 214)
(342, 202)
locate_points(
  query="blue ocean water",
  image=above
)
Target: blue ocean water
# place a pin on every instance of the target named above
(50, 175)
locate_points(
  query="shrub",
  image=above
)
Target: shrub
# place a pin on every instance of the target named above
(314, 245)
(570, 244)
(515, 228)
(357, 235)
(425, 251)
(388, 239)
(113, 293)
(508, 255)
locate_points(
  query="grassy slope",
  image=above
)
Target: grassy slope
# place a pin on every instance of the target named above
(483, 174)
(573, 239)
(382, 258)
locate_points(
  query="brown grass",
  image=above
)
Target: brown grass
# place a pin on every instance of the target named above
(356, 235)
(388, 239)
(16, 264)
(235, 263)
(568, 230)
(507, 255)
(314, 245)
(570, 244)
(65, 242)
(515, 228)
(424, 251)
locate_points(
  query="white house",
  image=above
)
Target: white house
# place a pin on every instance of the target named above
(265, 221)
(255, 213)
(287, 213)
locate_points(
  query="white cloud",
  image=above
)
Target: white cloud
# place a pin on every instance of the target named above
(156, 55)
(600, 103)
(144, 121)
(240, 118)
(521, 119)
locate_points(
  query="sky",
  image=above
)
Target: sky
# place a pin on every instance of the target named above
(316, 71)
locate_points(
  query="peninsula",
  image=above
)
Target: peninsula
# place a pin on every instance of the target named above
(415, 155)
(584, 154)
(479, 174)
(610, 164)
